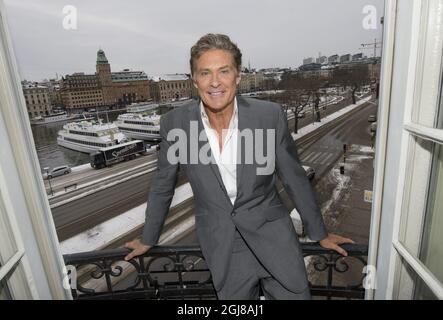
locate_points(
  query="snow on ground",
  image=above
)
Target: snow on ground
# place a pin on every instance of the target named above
(362, 149)
(341, 184)
(81, 168)
(314, 126)
(98, 236)
(96, 183)
(358, 158)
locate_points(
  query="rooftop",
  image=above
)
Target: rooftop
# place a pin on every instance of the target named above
(128, 75)
(171, 77)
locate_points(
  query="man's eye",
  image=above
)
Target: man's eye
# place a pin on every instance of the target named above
(226, 71)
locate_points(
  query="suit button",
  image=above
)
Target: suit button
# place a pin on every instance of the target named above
(233, 214)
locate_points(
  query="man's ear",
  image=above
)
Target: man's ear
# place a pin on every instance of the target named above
(238, 79)
(194, 82)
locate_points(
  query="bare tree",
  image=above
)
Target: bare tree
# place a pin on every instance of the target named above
(355, 77)
(303, 90)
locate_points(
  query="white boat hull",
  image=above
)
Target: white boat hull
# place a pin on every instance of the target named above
(77, 146)
(55, 120)
(141, 136)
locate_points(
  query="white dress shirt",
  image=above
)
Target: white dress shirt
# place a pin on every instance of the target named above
(226, 159)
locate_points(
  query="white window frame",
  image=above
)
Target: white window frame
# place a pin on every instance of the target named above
(423, 92)
(26, 205)
(20, 284)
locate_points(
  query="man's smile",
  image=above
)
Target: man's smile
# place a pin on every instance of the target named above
(216, 93)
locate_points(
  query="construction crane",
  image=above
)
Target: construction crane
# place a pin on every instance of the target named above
(375, 45)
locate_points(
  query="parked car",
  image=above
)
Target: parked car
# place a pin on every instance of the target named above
(374, 127)
(301, 114)
(372, 118)
(310, 172)
(57, 171)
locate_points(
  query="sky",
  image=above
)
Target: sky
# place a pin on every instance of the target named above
(156, 36)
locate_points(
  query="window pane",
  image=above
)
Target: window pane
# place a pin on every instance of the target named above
(414, 199)
(422, 291)
(7, 244)
(440, 109)
(431, 251)
(4, 291)
(409, 285)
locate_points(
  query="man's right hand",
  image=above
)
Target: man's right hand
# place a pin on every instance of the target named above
(137, 247)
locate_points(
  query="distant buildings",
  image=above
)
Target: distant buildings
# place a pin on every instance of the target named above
(345, 58)
(308, 61)
(37, 99)
(81, 90)
(357, 57)
(251, 81)
(333, 59)
(310, 67)
(322, 60)
(324, 66)
(78, 92)
(171, 87)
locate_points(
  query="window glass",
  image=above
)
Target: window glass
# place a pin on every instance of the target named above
(416, 188)
(422, 291)
(5, 294)
(431, 251)
(7, 244)
(439, 124)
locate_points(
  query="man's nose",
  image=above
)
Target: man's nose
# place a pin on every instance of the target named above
(215, 82)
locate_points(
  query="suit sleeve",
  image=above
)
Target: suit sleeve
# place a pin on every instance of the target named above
(161, 192)
(295, 181)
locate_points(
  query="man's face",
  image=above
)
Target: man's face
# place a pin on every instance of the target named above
(216, 78)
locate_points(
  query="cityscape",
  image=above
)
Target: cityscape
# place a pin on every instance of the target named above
(93, 208)
(93, 96)
(96, 136)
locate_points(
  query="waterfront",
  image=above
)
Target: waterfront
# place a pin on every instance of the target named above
(50, 154)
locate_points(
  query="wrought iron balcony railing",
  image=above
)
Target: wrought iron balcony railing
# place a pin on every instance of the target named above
(179, 272)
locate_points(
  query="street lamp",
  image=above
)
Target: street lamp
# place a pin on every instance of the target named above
(49, 179)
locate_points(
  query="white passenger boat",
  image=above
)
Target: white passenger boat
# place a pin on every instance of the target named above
(141, 107)
(89, 136)
(139, 126)
(55, 117)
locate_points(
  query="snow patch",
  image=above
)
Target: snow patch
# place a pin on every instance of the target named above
(341, 183)
(98, 236)
(314, 126)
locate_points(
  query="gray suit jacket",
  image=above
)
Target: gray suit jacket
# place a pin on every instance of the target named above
(258, 213)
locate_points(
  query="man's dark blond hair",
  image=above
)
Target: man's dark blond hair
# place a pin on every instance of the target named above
(212, 41)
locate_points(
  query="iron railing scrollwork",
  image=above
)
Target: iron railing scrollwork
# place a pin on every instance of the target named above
(180, 272)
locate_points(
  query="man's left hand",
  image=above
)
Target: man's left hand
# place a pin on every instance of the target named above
(332, 241)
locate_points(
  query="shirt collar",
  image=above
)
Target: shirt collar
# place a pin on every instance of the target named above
(205, 118)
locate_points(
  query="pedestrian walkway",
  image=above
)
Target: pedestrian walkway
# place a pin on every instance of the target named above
(346, 212)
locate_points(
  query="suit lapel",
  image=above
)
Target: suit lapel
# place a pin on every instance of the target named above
(244, 122)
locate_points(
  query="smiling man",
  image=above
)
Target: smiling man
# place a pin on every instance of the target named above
(245, 232)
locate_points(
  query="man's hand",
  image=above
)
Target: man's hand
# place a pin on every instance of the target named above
(137, 247)
(332, 241)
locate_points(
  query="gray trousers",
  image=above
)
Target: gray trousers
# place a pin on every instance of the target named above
(246, 275)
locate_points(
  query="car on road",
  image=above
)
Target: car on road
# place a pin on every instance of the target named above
(57, 171)
(301, 114)
(310, 172)
(372, 118)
